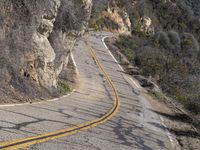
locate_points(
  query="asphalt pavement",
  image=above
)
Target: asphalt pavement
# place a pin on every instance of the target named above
(134, 127)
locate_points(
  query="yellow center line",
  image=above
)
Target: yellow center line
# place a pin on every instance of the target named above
(26, 142)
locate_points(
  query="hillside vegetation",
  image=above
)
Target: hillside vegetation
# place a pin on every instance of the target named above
(163, 41)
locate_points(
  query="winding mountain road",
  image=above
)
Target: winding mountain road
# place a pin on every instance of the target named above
(89, 118)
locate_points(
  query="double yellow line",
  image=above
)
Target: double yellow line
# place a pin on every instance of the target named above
(26, 142)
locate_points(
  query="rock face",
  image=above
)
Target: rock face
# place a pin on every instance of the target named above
(109, 15)
(145, 25)
(118, 16)
(36, 38)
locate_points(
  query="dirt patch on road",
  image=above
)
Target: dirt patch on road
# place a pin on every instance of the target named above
(180, 124)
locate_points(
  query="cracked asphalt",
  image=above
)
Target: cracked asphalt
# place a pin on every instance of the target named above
(135, 127)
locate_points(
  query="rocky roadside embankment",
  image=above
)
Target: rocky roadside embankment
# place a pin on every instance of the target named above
(36, 39)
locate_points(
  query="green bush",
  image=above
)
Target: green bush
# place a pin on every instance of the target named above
(193, 106)
(137, 61)
(187, 42)
(127, 46)
(3, 61)
(129, 54)
(64, 87)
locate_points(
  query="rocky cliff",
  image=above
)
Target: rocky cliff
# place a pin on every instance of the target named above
(36, 39)
(110, 15)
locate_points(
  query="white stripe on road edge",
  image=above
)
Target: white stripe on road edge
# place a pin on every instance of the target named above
(173, 141)
(33, 103)
(74, 63)
(103, 41)
(136, 84)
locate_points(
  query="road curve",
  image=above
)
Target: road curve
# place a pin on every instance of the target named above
(26, 142)
(136, 126)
